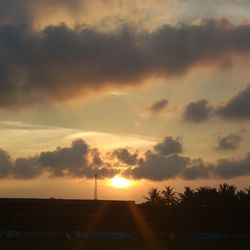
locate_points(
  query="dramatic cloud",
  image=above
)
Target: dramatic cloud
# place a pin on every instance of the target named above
(26, 168)
(79, 160)
(170, 145)
(238, 107)
(164, 163)
(157, 107)
(109, 13)
(159, 167)
(59, 63)
(71, 160)
(198, 111)
(196, 170)
(229, 142)
(125, 156)
(227, 168)
(5, 164)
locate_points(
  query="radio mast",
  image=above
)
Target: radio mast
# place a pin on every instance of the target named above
(95, 190)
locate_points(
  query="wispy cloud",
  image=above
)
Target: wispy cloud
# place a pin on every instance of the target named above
(156, 108)
(229, 142)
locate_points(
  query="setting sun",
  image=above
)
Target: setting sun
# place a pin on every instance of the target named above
(120, 182)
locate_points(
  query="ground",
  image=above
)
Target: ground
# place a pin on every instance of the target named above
(121, 245)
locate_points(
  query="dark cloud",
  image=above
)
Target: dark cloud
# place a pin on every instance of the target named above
(164, 163)
(198, 111)
(70, 161)
(159, 167)
(170, 145)
(196, 170)
(125, 156)
(157, 107)
(81, 161)
(27, 168)
(96, 158)
(237, 107)
(230, 168)
(59, 63)
(229, 142)
(76, 161)
(6, 164)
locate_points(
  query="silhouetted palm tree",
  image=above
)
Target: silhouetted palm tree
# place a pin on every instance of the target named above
(244, 197)
(154, 197)
(228, 195)
(225, 189)
(169, 196)
(206, 196)
(188, 196)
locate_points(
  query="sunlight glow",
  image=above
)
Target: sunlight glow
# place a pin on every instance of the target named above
(120, 182)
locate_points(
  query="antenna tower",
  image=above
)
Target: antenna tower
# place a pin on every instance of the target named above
(95, 191)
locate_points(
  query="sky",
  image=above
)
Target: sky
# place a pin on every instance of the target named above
(155, 91)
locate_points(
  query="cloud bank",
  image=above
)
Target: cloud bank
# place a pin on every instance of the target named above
(81, 161)
(157, 167)
(59, 63)
(76, 161)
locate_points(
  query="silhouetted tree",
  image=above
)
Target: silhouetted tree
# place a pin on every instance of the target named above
(154, 197)
(244, 197)
(225, 189)
(187, 198)
(225, 196)
(169, 196)
(206, 196)
(228, 195)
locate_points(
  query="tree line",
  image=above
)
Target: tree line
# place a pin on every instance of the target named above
(224, 196)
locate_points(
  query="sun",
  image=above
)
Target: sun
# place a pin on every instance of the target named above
(120, 182)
